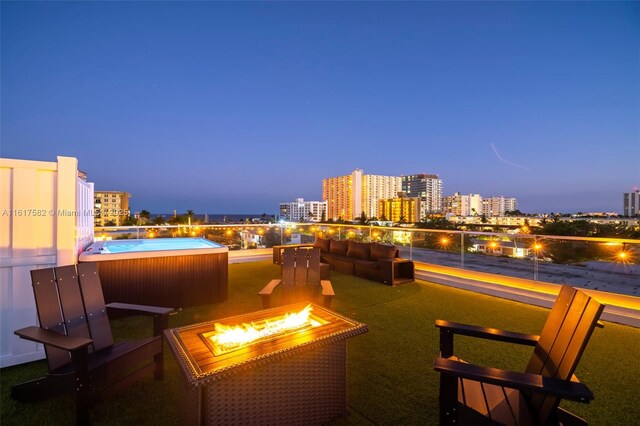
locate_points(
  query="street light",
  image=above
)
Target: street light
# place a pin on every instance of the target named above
(444, 242)
(623, 255)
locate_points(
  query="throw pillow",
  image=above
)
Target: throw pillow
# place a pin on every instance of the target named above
(339, 247)
(359, 250)
(382, 251)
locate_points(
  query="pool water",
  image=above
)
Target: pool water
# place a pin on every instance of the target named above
(159, 244)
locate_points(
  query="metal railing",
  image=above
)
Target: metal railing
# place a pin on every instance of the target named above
(609, 264)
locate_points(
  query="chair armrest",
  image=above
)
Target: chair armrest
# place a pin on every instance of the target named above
(266, 293)
(51, 338)
(268, 289)
(488, 333)
(327, 288)
(160, 314)
(141, 309)
(515, 380)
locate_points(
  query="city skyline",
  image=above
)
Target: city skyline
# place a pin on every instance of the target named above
(234, 108)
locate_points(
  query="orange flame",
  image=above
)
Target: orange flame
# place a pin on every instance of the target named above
(227, 337)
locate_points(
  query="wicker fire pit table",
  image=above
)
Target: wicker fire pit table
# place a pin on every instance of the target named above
(295, 375)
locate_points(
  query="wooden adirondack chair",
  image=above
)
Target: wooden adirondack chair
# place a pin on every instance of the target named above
(300, 278)
(74, 327)
(470, 394)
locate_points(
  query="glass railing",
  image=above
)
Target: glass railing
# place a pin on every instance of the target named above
(606, 264)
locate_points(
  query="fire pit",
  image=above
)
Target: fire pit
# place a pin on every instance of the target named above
(285, 365)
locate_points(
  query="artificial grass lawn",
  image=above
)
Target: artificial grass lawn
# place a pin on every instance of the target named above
(390, 374)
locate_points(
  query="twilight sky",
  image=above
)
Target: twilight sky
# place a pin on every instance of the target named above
(235, 107)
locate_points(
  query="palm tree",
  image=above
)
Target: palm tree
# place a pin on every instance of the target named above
(145, 215)
(363, 218)
(190, 214)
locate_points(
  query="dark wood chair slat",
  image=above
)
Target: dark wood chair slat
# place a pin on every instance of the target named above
(75, 318)
(96, 310)
(49, 314)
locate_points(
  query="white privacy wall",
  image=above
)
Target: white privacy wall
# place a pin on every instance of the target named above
(84, 222)
(45, 214)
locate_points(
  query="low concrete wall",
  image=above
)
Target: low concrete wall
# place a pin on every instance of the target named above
(620, 308)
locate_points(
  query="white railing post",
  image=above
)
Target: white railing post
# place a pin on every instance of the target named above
(535, 258)
(410, 245)
(462, 249)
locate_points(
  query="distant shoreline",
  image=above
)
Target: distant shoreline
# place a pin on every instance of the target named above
(218, 217)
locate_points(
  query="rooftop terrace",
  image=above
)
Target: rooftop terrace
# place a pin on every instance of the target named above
(389, 370)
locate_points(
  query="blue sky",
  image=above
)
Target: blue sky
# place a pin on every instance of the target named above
(235, 107)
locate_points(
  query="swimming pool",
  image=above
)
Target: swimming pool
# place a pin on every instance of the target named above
(121, 249)
(173, 272)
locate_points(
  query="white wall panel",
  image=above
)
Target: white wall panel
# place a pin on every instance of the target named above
(41, 225)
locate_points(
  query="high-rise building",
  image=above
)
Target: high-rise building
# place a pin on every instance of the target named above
(348, 196)
(631, 203)
(300, 210)
(497, 206)
(111, 207)
(463, 205)
(400, 209)
(376, 187)
(343, 195)
(428, 188)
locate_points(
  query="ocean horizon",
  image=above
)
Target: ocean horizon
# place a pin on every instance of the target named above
(219, 217)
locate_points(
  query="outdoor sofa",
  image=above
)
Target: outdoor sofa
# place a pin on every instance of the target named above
(372, 261)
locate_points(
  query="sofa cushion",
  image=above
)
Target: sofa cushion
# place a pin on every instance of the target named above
(359, 250)
(367, 263)
(382, 251)
(339, 247)
(323, 244)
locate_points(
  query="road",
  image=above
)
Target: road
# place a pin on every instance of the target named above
(617, 279)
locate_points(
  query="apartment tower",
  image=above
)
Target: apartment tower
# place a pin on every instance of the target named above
(400, 209)
(463, 205)
(300, 210)
(426, 187)
(497, 206)
(631, 203)
(111, 207)
(348, 196)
